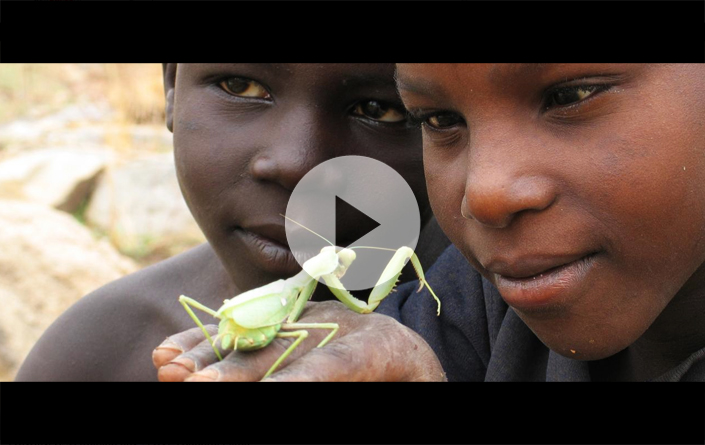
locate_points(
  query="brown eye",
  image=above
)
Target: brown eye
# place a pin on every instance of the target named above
(379, 111)
(569, 95)
(244, 88)
(445, 120)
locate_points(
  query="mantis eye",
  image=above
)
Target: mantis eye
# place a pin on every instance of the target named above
(346, 256)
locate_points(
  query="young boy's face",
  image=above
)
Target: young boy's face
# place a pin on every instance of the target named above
(245, 134)
(578, 190)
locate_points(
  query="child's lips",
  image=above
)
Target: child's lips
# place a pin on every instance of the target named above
(271, 253)
(519, 267)
(541, 281)
(273, 233)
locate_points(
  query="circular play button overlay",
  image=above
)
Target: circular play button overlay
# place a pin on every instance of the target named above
(355, 202)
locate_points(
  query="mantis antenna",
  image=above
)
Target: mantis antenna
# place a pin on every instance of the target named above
(299, 224)
(370, 247)
(320, 236)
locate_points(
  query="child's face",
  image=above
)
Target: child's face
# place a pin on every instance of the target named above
(245, 134)
(578, 190)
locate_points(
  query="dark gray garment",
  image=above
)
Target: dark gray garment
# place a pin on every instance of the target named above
(478, 337)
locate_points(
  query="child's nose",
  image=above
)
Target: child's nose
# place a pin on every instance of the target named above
(292, 149)
(499, 187)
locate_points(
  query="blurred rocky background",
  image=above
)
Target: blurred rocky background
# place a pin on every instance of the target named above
(88, 190)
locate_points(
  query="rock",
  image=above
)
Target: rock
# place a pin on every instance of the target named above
(138, 138)
(28, 129)
(140, 206)
(30, 133)
(80, 137)
(47, 262)
(60, 178)
(151, 136)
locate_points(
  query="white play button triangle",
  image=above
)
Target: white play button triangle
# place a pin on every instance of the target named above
(345, 210)
(353, 201)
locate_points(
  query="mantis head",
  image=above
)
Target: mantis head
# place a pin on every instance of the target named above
(345, 258)
(332, 260)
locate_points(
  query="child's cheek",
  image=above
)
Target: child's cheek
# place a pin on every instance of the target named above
(657, 203)
(646, 191)
(446, 185)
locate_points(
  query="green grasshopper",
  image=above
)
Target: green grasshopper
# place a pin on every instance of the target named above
(253, 319)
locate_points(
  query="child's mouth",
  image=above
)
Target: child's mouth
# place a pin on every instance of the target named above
(541, 290)
(271, 253)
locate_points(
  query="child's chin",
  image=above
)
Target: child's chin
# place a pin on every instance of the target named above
(587, 350)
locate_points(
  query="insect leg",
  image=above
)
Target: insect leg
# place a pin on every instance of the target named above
(301, 300)
(186, 301)
(301, 335)
(333, 326)
(384, 285)
(391, 274)
(422, 280)
(337, 288)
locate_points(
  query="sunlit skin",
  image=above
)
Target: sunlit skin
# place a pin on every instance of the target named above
(536, 165)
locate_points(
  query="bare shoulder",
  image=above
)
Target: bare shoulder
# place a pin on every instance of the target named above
(110, 333)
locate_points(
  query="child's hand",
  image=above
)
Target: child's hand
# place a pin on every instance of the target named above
(370, 347)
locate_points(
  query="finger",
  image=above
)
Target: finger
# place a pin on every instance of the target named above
(338, 361)
(193, 360)
(179, 343)
(399, 355)
(251, 366)
(329, 364)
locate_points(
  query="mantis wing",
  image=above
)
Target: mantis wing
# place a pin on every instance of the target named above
(273, 302)
(275, 287)
(264, 306)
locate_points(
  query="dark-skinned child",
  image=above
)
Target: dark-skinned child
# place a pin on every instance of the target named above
(244, 135)
(573, 195)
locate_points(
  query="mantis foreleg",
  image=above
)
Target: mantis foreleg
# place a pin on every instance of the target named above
(422, 280)
(384, 286)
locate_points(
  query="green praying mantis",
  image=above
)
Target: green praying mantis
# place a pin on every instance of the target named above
(253, 319)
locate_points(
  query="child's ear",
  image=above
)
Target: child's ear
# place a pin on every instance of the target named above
(169, 70)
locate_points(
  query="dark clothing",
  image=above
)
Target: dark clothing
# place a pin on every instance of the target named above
(478, 337)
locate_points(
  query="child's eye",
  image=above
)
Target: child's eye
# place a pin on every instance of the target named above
(379, 111)
(434, 119)
(238, 86)
(568, 95)
(441, 121)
